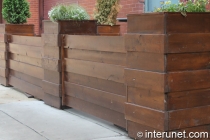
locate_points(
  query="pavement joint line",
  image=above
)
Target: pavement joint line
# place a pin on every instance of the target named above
(96, 123)
(24, 125)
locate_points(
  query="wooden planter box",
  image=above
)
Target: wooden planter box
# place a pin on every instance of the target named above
(18, 29)
(168, 73)
(107, 30)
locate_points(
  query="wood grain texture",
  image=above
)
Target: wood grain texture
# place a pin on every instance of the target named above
(30, 79)
(20, 29)
(98, 97)
(188, 80)
(51, 88)
(145, 80)
(97, 83)
(145, 43)
(98, 111)
(97, 56)
(27, 40)
(188, 61)
(146, 98)
(146, 116)
(96, 43)
(52, 100)
(26, 59)
(26, 87)
(146, 61)
(188, 99)
(36, 52)
(97, 70)
(191, 117)
(52, 76)
(51, 64)
(27, 69)
(190, 42)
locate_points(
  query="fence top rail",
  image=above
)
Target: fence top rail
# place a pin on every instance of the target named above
(27, 40)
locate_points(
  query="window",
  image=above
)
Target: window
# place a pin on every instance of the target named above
(150, 5)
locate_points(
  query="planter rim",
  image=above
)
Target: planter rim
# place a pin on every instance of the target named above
(20, 24)
(162, 13)
(107, 25)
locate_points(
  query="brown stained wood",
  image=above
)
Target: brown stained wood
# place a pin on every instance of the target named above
(182, 43)
(30, 51)
(98, 111)
(3, 55)
(51, 64)
(188, 99)
(192, 23)
(146, 61)
(146, 98)
(26, 59)
(98, 97)
(52, 100)
(184, 118)
(146, 23)
(50, 40)
(97, 70)
(52, 76)
(146, 116)
(188, 61)
(107, 30)
(145, 43)
(134, 128)
(97, 56)
(3, 81)
(27, 40)
(3, 72)
(77, 27)
(3, 63)
(50, 27)
(146, 80)
(188, 80)
(52, 52)
(20, 29)
(51, 88)
(26, 87)
(3, 46)
(31, 70)
(26, 78)
(96, 43)
(96, 83)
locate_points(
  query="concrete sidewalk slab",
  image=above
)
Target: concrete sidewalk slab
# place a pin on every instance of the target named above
(48, 123)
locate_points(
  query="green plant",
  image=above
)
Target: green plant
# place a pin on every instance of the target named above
(106, 11)
(183, 7)
(68, 12)
(16, 11)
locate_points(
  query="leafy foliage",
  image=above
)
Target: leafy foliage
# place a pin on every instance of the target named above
(16, 11)
(106, 11)
(183, 7)
(68, 12)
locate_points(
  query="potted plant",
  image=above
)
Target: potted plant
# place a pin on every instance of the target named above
(106, 13)
(72, 19)
(15, 13)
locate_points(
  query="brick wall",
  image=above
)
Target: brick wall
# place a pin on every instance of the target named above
(34, 9)
(129, 6)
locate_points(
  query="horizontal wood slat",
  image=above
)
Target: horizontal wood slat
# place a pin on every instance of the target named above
(98, 70)
(52, 52)
(3, 47)
(52, 100)
(97, 56)
(34, 71)
(36, 52)
(51, 40)
(51, 64)
(3, 81)
(52, 76)
(3, 63)
(51, 88)
(189, 117)
(188, 99)
(26, 59)
(3, 72)
(26, 78)
(101, 98)
(98, 111)
(146, 116)
(26, 87)
(145, 80)
(27, 40)
(96, 43)
(3, 55)
(100, 84)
